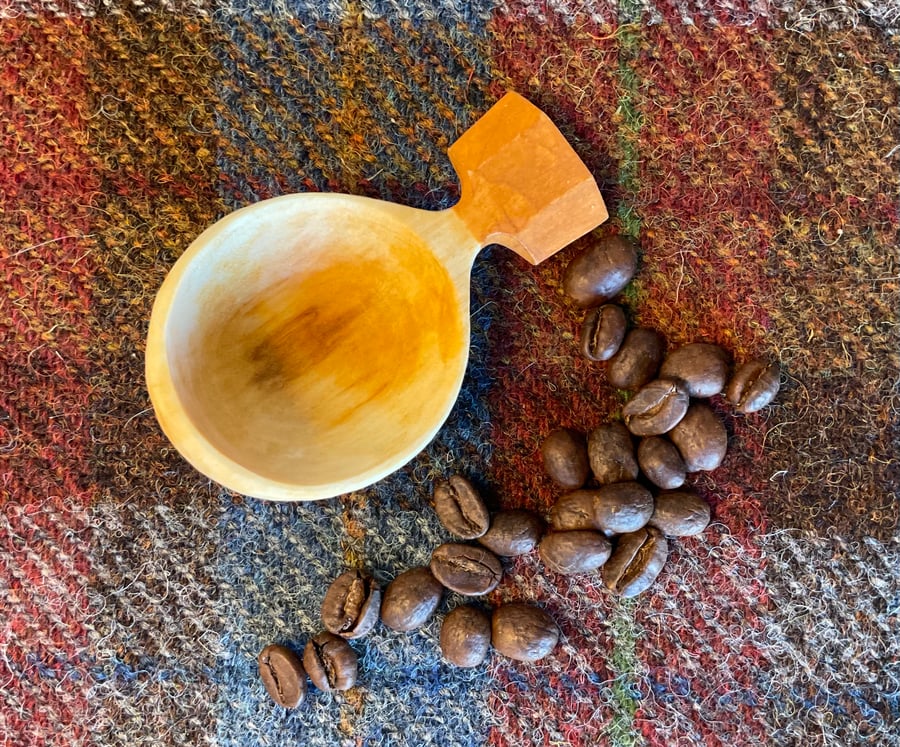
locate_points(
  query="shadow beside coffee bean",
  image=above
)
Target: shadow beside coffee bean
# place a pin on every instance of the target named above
(626, 497)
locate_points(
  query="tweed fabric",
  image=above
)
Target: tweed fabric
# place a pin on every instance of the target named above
(752, 147)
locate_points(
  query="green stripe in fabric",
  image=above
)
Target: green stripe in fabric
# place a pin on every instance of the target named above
(623, 660)
(630, 127)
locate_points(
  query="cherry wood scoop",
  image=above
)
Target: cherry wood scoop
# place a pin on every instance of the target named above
(311, 344)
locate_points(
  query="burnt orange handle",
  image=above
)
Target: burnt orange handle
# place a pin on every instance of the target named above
(521, 183)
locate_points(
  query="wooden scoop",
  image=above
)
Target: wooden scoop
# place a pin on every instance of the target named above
(308, 345)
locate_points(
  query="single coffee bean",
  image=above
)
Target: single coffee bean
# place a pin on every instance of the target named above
(466, 636)
(283, 675)
(656, 408)
(700, 367)
(564, 453)
(466, 569)
(601, 271)
(578, 551)
(680, 513)
(637, 360)
(636, 561)
(460, 508)
(622, 507)
(602, 332)
(513, 532)
(330, 662)
(574, 510)
(661, 462)
(701, 438)
(410, 599)
(523, 632)
(611, 453)
(754, 385)
(351, 605)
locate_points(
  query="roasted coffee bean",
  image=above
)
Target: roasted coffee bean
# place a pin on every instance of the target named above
(680, 513)
(701, 438)
(523, 632)
(661, 462)
(564, 453)
(637, 360)
(602, 332)
(466, 636)
(410, 599)
(600, 272)
(754, 385)
(351, 605)
(636, 561)
(622, 507)
(330, 662)
(466, 569)
(283, 675)
(574, 510)
(656, 408)
(513, 532)
(578, 551)
(700, 367)
(460, 508)
(611, 453)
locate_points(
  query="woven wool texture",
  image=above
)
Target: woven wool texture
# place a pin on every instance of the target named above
(751, 147)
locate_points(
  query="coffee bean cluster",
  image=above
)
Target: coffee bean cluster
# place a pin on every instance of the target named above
(636, 358)
(354, 603)
(350, 611)
(517, 630)
(328, 661)
(471, 567)
(626, 479)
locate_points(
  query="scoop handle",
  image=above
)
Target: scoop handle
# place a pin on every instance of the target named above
(521, 184)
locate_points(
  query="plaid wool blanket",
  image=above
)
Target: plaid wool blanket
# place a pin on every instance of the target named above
(751, 149)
